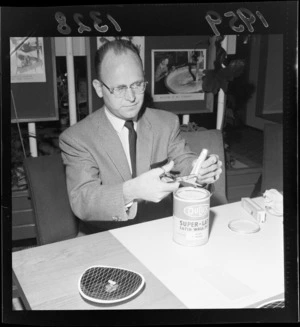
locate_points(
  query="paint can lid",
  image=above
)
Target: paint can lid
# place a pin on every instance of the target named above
(192, 194)
(244, 226)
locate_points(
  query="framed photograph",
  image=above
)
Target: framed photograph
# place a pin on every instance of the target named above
(177, 74)
(27, 60)
(35, 102)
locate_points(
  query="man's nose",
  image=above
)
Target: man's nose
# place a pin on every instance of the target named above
(130, 95)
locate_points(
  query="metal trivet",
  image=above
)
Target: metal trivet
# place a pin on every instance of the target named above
(105, 284)
(277, 304)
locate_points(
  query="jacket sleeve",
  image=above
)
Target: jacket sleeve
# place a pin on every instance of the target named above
(90, 200)
(179, 150)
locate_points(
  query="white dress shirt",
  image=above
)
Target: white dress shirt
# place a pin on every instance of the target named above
(122, 131)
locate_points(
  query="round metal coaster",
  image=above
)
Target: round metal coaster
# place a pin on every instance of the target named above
(275, 304)
(104, 284)
(244, 226)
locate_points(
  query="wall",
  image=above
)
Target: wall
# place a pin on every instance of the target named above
(273, 97)
(272, 83)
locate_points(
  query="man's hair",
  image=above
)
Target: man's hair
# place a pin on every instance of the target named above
(119, 46)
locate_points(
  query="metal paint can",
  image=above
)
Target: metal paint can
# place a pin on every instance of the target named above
(191, 216)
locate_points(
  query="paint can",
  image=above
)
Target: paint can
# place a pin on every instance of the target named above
(191, 216)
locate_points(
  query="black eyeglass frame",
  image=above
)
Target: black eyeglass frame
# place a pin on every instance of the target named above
(112, 90)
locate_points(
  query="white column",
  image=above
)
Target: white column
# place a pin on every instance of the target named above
(71, 81)
(221, 109)
(185, 119)
(221, 97)
(32, 140)
(89, 65)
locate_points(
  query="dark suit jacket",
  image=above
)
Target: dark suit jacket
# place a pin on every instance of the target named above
(96, 166)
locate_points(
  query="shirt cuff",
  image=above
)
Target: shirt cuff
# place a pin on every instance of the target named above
(128, 205)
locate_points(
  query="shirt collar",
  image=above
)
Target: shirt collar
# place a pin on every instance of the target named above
(117, 122)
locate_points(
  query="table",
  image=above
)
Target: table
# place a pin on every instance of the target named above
(232, 270)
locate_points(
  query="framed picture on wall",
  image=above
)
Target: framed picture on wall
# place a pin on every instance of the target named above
(177, 74)
(33, 91)
(174, 68)
(27, 60)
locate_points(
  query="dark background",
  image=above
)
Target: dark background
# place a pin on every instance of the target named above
(151, 20)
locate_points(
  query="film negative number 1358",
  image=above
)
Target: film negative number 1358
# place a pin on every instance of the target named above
(65, 29)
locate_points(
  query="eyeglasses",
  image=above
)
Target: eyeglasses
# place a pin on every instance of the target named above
(120, 91)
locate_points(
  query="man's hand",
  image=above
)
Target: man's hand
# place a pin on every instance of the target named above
(148, 186)
(210, 170)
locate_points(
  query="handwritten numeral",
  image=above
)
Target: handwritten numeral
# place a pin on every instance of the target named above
(62, 27)
(238, 29)
(94, 15)
(65, 29)
(262, 18)
(82, 27)
(247, 21)
(116, 25)
(213, 22)
(246, 16)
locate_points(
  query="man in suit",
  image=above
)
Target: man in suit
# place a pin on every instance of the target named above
(107, 187)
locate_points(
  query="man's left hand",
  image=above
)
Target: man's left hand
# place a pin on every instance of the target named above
(210, 170)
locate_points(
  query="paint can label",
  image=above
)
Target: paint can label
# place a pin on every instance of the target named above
(191, 216)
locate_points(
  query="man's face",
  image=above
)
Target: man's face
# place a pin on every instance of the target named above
(121, 70)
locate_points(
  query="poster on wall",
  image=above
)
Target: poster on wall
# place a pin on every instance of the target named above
(27, 60)
(177, 74)
(139, 41)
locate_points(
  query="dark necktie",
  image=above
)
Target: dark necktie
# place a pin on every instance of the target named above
(132, 145)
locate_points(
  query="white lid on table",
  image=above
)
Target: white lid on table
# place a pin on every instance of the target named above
(244, 226)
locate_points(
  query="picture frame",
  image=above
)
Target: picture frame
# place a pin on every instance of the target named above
(177, 74)
(37, 101)
(27, 60)
(185, 46)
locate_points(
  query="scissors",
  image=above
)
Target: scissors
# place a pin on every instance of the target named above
(188, 180)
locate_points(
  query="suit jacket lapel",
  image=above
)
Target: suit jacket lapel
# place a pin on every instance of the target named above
(144, 145)
(112, 145)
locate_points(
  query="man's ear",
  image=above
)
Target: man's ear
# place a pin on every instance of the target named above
(98, 88)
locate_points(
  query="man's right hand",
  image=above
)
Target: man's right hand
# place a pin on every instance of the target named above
(149, 186)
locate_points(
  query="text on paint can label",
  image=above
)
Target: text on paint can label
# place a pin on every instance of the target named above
(196, 211)
(191, 216)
